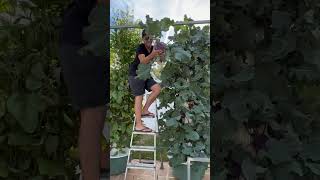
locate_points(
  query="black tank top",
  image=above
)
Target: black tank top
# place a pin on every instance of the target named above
(134, 65)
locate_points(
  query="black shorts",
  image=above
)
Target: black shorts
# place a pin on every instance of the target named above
(85, 76)
(138, 86)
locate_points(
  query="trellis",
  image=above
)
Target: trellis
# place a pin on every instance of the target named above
(198, 159)
(175, 24)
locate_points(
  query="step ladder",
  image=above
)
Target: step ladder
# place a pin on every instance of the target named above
(151, 123)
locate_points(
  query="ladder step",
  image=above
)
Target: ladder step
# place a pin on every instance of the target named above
(144, 133)
(141, 166)
(146, 161)
(143, 148)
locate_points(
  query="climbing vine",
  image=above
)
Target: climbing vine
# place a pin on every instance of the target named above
(185, 126)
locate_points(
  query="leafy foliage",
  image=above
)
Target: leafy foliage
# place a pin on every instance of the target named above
(185, 79)
(36, 130)
(265, 125)
(122, 45)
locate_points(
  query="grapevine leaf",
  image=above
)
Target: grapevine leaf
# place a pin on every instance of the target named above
(187, 150)
(25, 108)
(37, 71)
(153, 27)
(314, 167)
(280, 19)
(192, 135)
(50, 167)
(296, 168)
(249, 169)
(166, 23)
(172, 122)
(244, 75)
(311, 151)
(143, 71)
(32, 83)
(19, 139)
(182, 55)
(278, 151)
(51, 144)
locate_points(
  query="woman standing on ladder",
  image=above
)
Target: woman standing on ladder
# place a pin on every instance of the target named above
(144, 54)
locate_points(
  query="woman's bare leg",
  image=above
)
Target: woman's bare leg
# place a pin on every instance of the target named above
(92, 120)
(154, 94)
(138, 111)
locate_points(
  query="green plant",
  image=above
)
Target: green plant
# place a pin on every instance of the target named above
(184, 129)
(123, 43)
(36, 130)
(266, 55)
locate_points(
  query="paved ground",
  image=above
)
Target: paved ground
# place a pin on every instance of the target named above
(163, 174)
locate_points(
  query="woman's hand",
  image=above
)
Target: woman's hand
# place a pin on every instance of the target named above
(156, 52)
(145, 60)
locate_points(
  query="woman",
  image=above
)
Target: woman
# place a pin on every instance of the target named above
(144, 54)
(86, 77)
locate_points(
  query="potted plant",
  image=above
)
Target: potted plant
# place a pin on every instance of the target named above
(120, 120)
(122, 47)
(185, 127)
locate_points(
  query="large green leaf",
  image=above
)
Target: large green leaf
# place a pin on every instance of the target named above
(278, 151)
(243, 76)
(32, 83)
(143, 71)
(192, 135)
(37, 71)
(154, 27)
(220, 175)
(314, 167)
(311, 151)
(19, 139)
(280, 19)
(50, 167)
(281, 172)
(51, 144)
(25, 108)
(172, 121)
(249, 169)
(182, 55)
(296, 168)
(165, 23)
(187, 150)
(68, 120)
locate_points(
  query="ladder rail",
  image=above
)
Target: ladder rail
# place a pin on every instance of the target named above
(144, 148)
